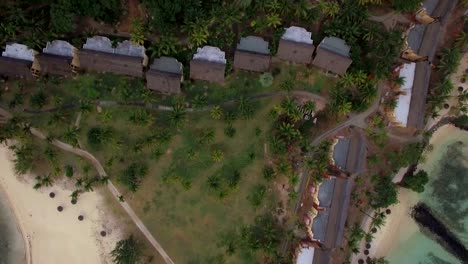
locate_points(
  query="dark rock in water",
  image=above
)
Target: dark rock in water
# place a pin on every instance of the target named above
(434, 228)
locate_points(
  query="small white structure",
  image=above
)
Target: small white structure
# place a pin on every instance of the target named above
(128, 48)
(401, 111)
(298, 34)
(305, 255)
(209, 53)
(19, 51)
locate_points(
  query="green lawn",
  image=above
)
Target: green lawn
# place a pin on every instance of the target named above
(203, 182)
(190, 221)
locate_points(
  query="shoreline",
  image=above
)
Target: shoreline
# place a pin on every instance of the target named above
(19, 226)
(58, 237)
(387, 239)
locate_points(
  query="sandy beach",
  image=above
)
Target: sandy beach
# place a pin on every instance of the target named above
(399, 226)
(58, 237)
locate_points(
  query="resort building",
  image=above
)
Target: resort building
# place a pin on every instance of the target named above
(18, 61)
(349, 153)
(58, 58)
(400, 114)
(208, 64)
(296, 45)
(165, 75)
(99, 55)
(333, 55)
(252, 54)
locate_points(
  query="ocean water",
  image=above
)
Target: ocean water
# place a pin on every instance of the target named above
(12, 248)
(447, 195)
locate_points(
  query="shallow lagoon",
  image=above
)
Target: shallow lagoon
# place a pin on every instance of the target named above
(12, 249)
(446, 193)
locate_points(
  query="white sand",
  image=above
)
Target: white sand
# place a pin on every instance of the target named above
(54, 237)
(399, 226)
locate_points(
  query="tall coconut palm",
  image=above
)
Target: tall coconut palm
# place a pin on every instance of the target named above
(178, 115)
(288, 131)
(71, 135)
(47, 180)
(216, 112)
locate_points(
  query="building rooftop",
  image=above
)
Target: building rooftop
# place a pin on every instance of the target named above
(305, 255)
(103, 44)
(298, 34)
(60, 48)
(325, 193)
(335, 45)
(18, 51)
(167, 64)
(401, 111)
(209, 53)
(254, 44)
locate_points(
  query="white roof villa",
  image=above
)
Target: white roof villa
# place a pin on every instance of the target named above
(401, 111)
(305, 255)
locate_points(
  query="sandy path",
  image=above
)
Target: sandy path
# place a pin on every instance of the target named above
(54, 237)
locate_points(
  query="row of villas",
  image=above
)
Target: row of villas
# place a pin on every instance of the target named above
(165, 74)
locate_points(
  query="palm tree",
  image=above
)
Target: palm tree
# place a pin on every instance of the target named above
(199, 101)
(290, 108)
(137, 35)
(198, 31)
(309, 107)
(245, 108)
(47, 181)
(178, 115)
(167, 45)
(217, 155)
(216, 112)
(288, 131)
(71, 135)
(273, 20)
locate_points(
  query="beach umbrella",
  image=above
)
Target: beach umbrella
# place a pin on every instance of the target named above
(60, 208)
(80, 217)
(51, 194)
(103, 233)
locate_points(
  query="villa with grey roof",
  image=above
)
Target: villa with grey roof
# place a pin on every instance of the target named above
(165, 75)
(57, 58)
(17, 62)
(296, 45)
(333, 55)
(252, 54)
(99, 55)
(208, 64)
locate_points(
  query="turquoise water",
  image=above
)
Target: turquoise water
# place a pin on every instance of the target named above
(447, 195)
(12, 249)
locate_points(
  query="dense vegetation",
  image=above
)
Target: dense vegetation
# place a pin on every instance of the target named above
(416, 182)
(127, 251)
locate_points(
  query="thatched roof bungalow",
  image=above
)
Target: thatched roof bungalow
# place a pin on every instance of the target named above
(296, 45)
(165, 75)
(99, 55)
(333, 55)
(252, 54)
(17, 62)
(208, 64)
(57, 58)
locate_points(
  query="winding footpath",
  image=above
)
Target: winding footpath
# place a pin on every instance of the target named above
(100, 169)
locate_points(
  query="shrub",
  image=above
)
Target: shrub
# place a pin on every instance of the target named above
(69, 171)
(268, 173)
(266, 79)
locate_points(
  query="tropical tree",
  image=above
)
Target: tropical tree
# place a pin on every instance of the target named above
(132, 175)
(289, 132)
(137, 32)
(47, 180)
(127, 251)
(309, 106)
(257, 195)
(217, 155)
(167, 45)
(329, 8)
(178, 116)
(264, 234)
(198, 31)
(199, 101)
(416, 182)
(245, 108)
(385, 192)
(71, 135)
(216, 112)
(450, 59)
